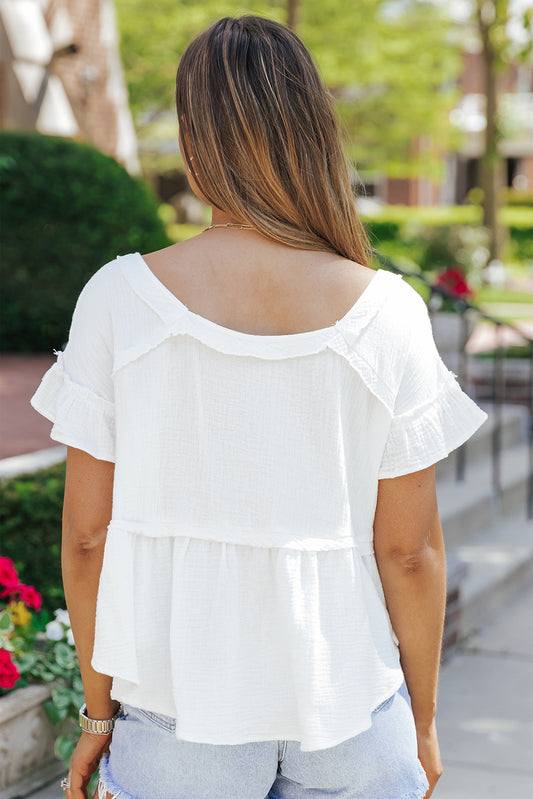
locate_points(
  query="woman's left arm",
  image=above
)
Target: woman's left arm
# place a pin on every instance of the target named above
(87, 509)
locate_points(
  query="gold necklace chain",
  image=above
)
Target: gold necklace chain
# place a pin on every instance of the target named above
(230, 224)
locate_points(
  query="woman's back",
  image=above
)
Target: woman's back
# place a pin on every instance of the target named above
(253, 390)
(246, 476)
(245, 282)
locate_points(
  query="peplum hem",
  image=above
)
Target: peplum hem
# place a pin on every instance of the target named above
(81, 418)
(428, 433)
(256, 643)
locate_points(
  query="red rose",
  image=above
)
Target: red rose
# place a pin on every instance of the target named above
(9, 673)
(454, 281)
(8, 573)
(12, 590)
(30, 596)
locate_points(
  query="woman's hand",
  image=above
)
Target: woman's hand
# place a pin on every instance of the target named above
(429, 754)
(84, 762)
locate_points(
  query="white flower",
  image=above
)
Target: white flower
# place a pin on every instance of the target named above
(70, 637)
(54, 631)
(62, 616)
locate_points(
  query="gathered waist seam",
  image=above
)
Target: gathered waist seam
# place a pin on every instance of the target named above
(267, 540)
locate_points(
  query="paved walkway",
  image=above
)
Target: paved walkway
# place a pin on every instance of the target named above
(485, 718)
(22, 429)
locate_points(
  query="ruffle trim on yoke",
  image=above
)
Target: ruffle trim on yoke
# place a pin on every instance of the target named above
(176, 319)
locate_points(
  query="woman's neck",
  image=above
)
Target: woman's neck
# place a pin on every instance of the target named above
(219, 217)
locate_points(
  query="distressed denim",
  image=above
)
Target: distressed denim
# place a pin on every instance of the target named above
(147, 761)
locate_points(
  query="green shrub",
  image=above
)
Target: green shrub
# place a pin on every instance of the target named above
(428, 215)
(30, 529)
(440, 236)
(66, 209)
(382, 230)
(516, 197)
(522, 244)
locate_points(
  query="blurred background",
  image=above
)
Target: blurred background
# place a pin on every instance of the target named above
(436, 103)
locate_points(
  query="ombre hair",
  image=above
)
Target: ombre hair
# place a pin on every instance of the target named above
(260, 134)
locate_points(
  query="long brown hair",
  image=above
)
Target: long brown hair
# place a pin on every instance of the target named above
(264, 136)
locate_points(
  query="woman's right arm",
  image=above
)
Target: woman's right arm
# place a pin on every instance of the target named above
(409, 549)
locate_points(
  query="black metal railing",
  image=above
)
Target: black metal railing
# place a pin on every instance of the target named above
(499, 380)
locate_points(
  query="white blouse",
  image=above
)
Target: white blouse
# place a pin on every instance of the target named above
(239, 591)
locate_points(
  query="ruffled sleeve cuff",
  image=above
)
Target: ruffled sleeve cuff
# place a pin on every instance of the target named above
(428, 433)
(81, 418)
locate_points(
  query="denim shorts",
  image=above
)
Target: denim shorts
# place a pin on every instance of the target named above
(147, 761)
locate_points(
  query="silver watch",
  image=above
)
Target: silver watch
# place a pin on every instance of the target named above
(98, 726)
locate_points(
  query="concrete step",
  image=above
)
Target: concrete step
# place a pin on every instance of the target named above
(514, 419)
(469, 507)
(499, 563)
(32, 461)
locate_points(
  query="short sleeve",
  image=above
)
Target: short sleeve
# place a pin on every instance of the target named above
(76, 393)
(432, 414)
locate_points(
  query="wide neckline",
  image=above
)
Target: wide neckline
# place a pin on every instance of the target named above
(322, 333)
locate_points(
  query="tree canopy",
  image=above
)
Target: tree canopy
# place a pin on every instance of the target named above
(391, 64)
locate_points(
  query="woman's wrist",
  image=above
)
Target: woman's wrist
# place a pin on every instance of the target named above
(425, 726)
(101, 711)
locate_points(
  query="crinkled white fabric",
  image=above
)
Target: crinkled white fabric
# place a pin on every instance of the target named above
(81, 418)
(265, 643)
(239, 591)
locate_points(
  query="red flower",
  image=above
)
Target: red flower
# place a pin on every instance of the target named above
(8, 573)
(9, 673)
(454, 281)
(30, 596)
(12, 590)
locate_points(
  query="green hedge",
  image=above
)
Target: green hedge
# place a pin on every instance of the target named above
(30, 529)
(413, 231)
(66, 209)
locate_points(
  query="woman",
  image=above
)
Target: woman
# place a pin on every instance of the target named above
(252, 555)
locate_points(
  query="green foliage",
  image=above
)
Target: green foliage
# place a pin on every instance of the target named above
(61, 669)
(56, 663)
(515, 197)
(522, 243)
(440, 236)
(512, 351)
(430, 214)
(66, 210)
(30, 529)
(182, 232)
(392, 70)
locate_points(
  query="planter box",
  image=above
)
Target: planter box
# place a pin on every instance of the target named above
(27, 759)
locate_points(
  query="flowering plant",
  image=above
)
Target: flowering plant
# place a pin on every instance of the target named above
(17, 632)
(35, 648)
(454, 281)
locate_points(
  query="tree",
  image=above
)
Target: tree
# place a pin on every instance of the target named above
(391, 65)
(492, 19)
(293, 13)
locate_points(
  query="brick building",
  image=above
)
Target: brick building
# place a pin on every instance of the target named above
(60, 74)
(462, 167)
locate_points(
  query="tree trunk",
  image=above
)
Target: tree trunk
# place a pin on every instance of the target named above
(293, 13)
(491, 161)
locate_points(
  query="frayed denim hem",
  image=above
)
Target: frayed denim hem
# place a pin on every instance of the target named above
(422, 788)
(106, 784)
(418, 794)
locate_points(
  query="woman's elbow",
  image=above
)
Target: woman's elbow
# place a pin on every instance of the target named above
(411, 559)
(82, 541)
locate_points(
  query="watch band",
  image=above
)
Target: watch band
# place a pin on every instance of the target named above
(98, 726)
